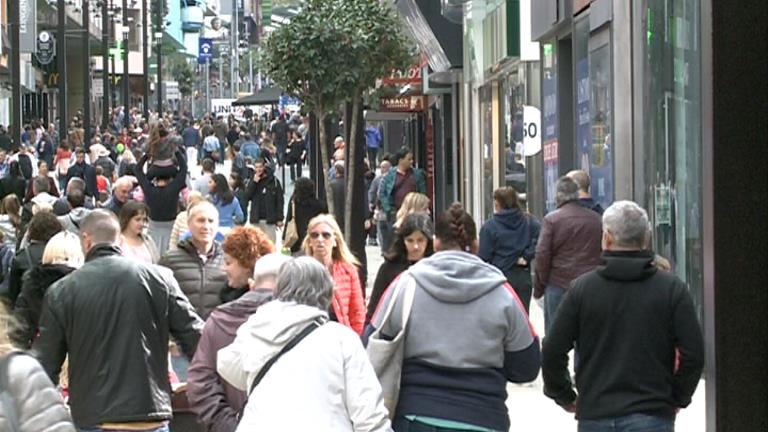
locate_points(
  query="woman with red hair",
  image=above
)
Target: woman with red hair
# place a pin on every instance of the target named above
(242, 247)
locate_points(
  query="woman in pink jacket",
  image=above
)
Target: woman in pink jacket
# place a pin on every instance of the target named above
(325, 243)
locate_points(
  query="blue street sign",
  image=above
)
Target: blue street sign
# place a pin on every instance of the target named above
(205, 52)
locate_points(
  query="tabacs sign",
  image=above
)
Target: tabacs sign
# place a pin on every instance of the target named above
(402, 104)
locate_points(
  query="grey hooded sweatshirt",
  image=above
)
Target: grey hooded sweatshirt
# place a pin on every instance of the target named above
(467, 335)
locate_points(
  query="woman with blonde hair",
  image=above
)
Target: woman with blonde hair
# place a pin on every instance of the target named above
(60, 258)
(36, 405)
(414, 202)
(325, 243)
(180, 225)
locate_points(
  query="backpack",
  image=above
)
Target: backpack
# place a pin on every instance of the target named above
(6, 260)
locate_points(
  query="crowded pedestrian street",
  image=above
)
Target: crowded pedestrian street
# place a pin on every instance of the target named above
(383, 216)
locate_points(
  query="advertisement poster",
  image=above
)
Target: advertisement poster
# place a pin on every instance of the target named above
(583, 133)
(550, 133)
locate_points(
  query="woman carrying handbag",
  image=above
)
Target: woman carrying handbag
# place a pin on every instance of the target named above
(464, 335)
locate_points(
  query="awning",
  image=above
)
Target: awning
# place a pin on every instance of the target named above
(265, 96)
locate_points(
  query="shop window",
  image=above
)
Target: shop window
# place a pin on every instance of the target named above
(486, 139)
(672, 128)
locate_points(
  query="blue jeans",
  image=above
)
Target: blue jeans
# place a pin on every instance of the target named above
(385, 235)
(630, 423)
(163, 428)
(552, 298)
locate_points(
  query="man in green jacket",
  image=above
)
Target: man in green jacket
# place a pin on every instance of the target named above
(396, 185)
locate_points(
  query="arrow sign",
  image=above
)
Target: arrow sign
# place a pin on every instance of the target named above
(205, 52)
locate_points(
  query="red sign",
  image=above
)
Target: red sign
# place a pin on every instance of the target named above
(398, 77)
(403, 104)
(550, 151)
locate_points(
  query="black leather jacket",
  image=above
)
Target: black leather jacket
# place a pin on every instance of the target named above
(114, 316)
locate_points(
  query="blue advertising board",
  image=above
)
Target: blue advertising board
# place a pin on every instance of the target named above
(205, 51)
(550, 137)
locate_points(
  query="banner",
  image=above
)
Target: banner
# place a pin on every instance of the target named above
(205, 50)
(27, 26)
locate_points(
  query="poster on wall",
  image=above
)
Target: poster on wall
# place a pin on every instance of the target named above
(583, 134)
(550, 135)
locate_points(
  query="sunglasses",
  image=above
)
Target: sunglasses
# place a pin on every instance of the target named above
(316, 235)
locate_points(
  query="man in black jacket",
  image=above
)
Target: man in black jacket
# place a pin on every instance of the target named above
(114, 316)
(84, 171)
(629, 321)
(266, 197)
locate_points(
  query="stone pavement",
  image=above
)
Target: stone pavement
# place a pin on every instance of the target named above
(530, 410)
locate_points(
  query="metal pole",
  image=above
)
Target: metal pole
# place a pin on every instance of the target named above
(221, 76)
(87, 74)
(145, 55)
(250, 57)
(105, 64)
(16, 120)
(235, 63)
(207, 85)
(61, 54)
(126, 77)
(159, 29)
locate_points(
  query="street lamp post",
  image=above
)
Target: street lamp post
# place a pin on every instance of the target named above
(145, 56)
(14, 17)
(87, 74)
(126, 77)
(159, 42)
(105, 64)
(61, 54)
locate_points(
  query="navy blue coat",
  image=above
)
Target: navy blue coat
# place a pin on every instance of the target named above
(507, 236)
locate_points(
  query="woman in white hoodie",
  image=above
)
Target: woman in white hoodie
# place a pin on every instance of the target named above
(324, 383)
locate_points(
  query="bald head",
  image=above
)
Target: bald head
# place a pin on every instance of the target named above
(582, 180)
(99, 227)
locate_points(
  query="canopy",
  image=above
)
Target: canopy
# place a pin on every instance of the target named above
(265, 96)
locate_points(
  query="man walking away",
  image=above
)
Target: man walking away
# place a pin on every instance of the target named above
(113, 317)
(582, 179)
(627, 320)
(568, 247)
(373, 143)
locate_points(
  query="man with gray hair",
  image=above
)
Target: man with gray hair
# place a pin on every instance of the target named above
(113, 317)
(121, 193)
(568, 247)
(623, 314)
(216, 402)
(585, 198)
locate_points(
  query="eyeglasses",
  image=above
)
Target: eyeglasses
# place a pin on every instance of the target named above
(316, 235)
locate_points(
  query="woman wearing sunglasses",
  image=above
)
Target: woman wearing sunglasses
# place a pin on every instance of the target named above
(325, 243)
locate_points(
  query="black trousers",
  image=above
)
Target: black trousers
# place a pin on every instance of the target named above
(521, 281)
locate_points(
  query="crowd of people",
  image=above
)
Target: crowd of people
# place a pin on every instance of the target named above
(130, 283)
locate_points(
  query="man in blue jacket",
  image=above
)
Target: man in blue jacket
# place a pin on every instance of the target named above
(399, 183)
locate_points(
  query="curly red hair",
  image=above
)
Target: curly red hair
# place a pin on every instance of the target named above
(247, 244)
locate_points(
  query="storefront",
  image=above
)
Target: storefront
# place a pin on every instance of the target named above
(621, 100)
(501, 78)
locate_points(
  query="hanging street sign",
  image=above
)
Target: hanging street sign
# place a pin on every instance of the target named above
(46, 48)
(205, 51)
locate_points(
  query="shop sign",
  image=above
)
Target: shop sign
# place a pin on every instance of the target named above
(402, 104)
(397, 77)
(97, 88)
(46, 48)
(223, 108)
(531, 130)
(27, 25)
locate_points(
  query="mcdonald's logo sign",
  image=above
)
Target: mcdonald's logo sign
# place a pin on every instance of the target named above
(53, 79)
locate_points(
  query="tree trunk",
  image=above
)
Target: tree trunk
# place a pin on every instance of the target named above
(352, 164)
(324, 160)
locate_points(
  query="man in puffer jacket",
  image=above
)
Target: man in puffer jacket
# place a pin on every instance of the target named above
(196, 264)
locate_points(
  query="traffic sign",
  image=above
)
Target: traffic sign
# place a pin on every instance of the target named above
(205, 53)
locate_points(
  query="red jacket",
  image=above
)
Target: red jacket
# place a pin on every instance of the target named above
(348, 304)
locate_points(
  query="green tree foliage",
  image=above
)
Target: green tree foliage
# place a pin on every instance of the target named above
(332, 52)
